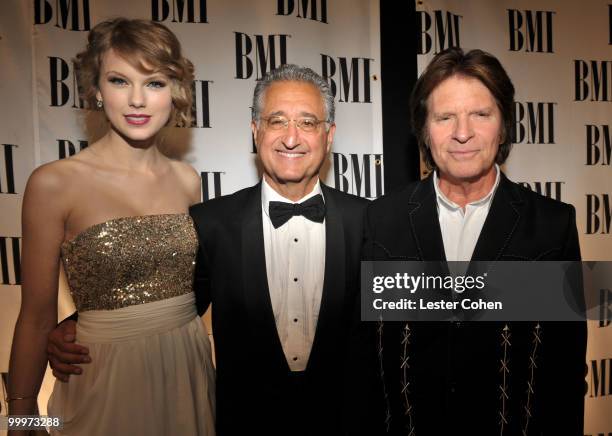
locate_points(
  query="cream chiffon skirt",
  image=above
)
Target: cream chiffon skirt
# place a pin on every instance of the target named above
(151, 373)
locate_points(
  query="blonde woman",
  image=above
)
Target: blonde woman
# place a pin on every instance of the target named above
(116, 216)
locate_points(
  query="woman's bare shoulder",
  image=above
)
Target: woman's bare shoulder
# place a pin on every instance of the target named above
(60, 177)
(189, 178)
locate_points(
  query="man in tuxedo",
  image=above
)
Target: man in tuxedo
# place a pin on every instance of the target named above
(280, 263)
(474, 377)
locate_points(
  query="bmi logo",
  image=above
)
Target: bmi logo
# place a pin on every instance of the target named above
(67, 148)
(593, 80)
(69, 14)
(534, 123)
(270, 52)
(598, 145)
(547, 189)
(181, 11)
(10, 258)
(530, 31)
(600, 378)
(315, 10)
(358, 174)
(598, 214)
(7, 177)
(351, 80)
(211, 184)
(437, 31)
(200, 108)
(63, 83)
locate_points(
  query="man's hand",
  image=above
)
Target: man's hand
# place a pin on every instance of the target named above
(63, 353)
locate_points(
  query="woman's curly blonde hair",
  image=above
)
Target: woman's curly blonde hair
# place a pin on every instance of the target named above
(148, 46)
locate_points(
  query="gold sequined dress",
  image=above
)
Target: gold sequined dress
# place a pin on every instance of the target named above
(151, 372)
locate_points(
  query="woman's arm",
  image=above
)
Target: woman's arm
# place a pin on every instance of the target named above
(43, 218)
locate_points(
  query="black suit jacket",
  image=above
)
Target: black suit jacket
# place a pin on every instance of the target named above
(447, 378)
(256, 392)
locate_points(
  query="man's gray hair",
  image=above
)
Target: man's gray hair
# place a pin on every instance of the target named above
(293, 73)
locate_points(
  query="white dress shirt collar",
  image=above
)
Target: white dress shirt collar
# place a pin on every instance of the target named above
(443, 200)
(461, 227)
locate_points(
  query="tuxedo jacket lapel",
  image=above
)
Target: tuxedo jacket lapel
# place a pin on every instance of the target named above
(334, 286)
(497, 231)
(501, 222)
(255, 280)
(423, 218)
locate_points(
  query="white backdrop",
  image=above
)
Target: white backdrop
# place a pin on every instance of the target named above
(557, 53)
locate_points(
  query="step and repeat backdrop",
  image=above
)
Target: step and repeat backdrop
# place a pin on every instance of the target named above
(557, 53)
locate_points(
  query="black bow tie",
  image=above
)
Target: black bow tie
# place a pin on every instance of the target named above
(312, 209)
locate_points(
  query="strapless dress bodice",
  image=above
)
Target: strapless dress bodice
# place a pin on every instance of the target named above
(131, 260)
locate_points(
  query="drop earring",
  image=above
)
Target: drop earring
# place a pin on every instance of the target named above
(99, 104)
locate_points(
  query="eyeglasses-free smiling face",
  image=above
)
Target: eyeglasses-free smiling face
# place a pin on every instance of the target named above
(137, 104)
(464, 129)
(292, 138)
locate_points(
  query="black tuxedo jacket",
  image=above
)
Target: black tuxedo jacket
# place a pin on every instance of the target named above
(256, 392)
(447, 378)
